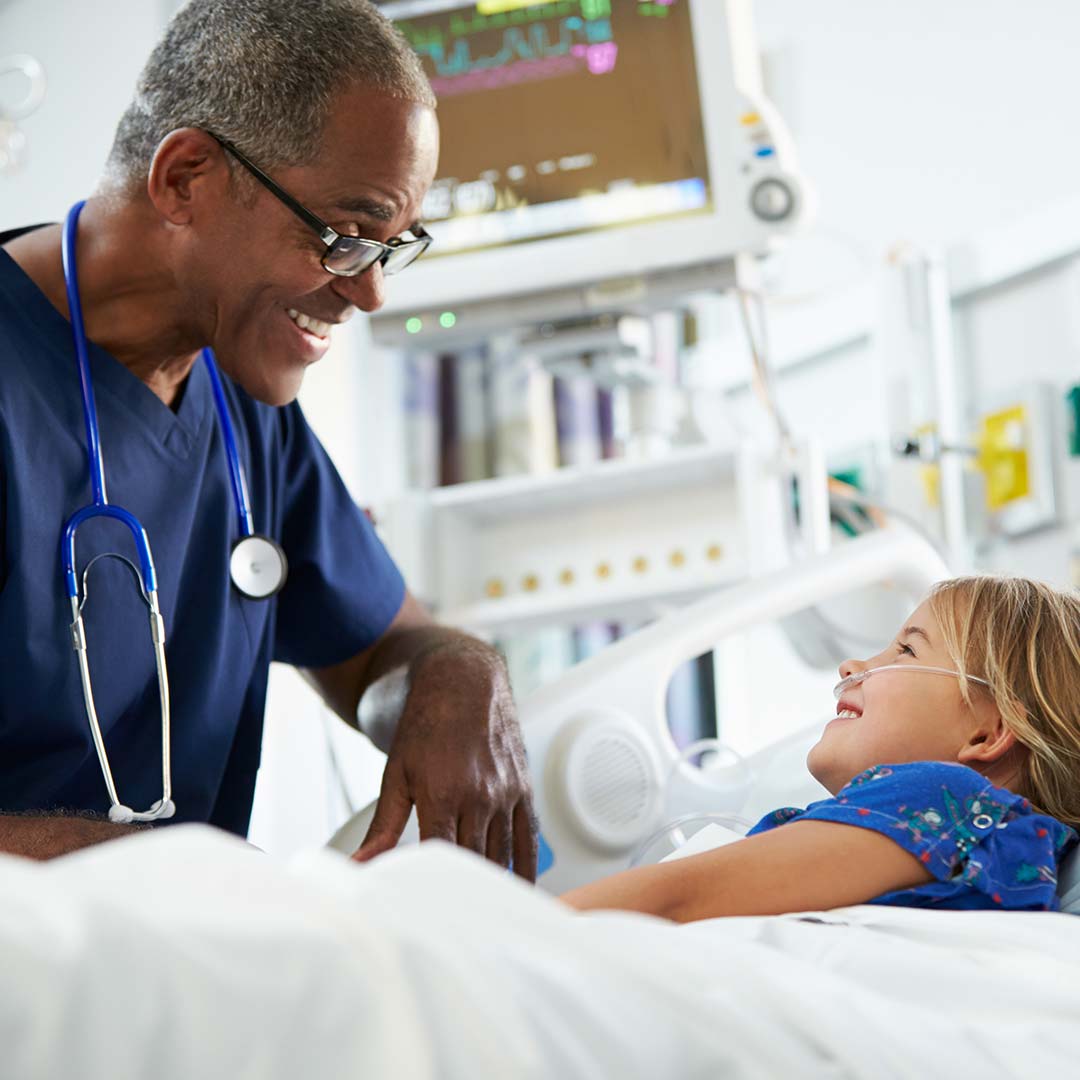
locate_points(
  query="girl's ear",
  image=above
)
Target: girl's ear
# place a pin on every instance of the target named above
(989, 742)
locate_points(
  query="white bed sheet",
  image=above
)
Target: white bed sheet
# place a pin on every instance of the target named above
(181, 954)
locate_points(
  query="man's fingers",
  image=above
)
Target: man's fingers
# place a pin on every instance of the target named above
(391, 815)
(525, 846)
(499, 847)
(472, 832)
(437, 823)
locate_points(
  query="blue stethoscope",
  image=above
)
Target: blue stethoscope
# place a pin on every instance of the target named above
(257, 565)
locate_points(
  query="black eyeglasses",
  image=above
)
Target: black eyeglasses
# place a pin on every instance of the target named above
(345, 256)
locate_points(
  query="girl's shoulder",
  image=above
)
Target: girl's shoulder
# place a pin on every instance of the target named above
(949, 799)
(984, 845)
(928, 799)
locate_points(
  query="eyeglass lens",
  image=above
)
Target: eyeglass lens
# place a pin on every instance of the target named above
(403, 256)
(353, 255)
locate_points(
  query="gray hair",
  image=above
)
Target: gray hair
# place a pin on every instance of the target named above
(263, 75)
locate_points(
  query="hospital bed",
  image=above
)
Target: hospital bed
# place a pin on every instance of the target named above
(599, 746)
(182, 952)
(598, 739)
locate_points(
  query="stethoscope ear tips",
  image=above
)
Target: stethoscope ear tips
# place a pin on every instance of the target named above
(124, 815)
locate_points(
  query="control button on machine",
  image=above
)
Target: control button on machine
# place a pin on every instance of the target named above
(772, 199)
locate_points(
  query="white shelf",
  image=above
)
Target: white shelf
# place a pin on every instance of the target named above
(617, 603)
(584, 485)
(614, 541)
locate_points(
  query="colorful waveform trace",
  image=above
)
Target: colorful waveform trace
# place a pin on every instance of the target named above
(544, 41)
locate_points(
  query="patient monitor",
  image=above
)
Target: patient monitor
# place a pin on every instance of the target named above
(594, 152)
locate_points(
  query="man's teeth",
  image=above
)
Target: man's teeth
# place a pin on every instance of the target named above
(312, 326)
(846, 714)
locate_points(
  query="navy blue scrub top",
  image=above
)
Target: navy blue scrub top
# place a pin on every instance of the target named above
(171, 471)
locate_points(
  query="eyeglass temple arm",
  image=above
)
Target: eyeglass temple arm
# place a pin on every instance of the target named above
(418, 231)
(302, 212)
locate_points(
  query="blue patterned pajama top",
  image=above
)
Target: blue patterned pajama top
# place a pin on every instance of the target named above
(985, 846)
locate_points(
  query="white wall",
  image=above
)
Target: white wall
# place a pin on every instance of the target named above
(927, 120)
(92, 54)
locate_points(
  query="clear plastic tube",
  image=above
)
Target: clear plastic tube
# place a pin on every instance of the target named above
(861, 676)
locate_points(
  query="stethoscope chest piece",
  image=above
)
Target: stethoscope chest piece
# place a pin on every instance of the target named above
(258, 566)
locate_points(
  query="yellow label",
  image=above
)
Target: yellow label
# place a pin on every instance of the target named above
(1003, 456)
(930, 474)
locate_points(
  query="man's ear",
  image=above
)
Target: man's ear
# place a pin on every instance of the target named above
(185, 163)
(988, 743)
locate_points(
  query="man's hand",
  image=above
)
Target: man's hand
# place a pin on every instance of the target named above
(458, 757)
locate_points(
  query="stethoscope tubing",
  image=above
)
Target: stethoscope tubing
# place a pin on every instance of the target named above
(117, 513)
(118, 811)
(255, 562)
(236, 471)
(237, 479)
(71, 282)
(100, 506)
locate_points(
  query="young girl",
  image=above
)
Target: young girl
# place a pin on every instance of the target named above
(954, 762)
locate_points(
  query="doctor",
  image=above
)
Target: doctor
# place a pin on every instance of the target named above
(266, 179)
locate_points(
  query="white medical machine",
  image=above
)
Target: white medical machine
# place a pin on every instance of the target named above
(616, 541)
(598, 741)
(598, 158)
(596, 155)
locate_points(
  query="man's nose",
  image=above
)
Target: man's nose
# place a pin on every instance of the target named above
(367, 291)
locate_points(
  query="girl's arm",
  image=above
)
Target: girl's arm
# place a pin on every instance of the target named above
(800, 866)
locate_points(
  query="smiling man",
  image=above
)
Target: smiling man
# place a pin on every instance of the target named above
(265, 180)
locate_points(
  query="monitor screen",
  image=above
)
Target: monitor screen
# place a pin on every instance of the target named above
(558, 118)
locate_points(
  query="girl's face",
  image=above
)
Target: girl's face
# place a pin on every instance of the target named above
(899, 716)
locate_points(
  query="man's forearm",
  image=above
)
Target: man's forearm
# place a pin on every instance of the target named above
(45, 836)
(369, 690)
(383, 700)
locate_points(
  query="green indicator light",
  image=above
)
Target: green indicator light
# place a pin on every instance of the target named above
(447, 320)
(414, 325)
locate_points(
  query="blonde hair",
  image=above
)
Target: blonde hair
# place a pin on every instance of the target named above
(1023, 637)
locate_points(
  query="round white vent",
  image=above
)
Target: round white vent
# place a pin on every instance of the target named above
(609, 778)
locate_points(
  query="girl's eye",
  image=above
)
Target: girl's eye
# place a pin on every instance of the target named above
(905, 648)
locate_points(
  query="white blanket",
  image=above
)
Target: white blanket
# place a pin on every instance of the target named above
(183, 955)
